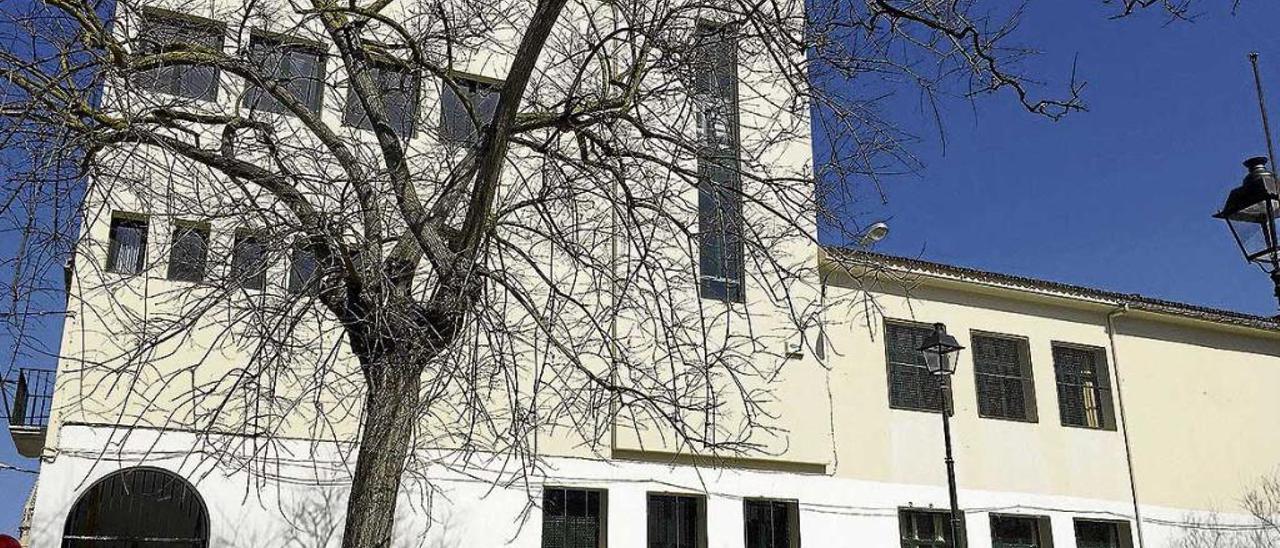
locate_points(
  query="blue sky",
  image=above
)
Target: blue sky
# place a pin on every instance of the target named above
(1118, 197)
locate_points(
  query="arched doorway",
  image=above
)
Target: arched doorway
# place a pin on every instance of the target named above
(138, 508)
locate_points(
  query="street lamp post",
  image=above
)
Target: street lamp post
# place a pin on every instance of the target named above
(940, 351)
(1250, 212)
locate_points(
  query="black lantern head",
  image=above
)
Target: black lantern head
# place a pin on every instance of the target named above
(940, 351)
(1251, 210)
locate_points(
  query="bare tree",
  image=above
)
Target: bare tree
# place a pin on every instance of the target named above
(536, 267)
(1262, 530)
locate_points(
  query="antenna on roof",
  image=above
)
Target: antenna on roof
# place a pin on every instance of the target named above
(1262, 107)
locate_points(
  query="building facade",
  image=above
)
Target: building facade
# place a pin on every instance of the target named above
(1081, 418)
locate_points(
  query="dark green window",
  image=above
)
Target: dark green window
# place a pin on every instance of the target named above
(188, 253)
(771, 523)
(1102, 534)
(911, 386)
(1010, 531)
(573, 518)
(163, 33)
(676, 521)
(925, 528)
(1002, 374)
(1084, 387)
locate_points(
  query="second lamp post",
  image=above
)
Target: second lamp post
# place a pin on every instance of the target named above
(940, 351)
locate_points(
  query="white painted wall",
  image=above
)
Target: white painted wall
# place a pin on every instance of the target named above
(300, 502)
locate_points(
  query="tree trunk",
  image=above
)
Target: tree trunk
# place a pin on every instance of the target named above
(390, 414)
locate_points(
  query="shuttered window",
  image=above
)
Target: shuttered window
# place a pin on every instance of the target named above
(1084, 389)
(1002, 374)
(720, 224)
(1102, 534)
(188, 253)
(302, 269)
(1010, 531)
(456, 122)
(676, 521)
(297, 68)
(249, 261)
(164, 33)
(399, 90)
(911, 386)
(771, 523)
(572, 518)
(925, 528)
(127, 249)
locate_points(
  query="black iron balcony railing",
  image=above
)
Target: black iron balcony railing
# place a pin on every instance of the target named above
(28, 398)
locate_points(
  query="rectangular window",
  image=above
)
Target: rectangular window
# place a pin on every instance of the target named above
(1009, 531)
(249, 261)
(925, 528)
(1102, 534)
(676, 521)
(1084, 389)
(720, 225)
(771, 523)
(296, 67)
(127, 249)
(189, 252)
(456, 122)
(911, 386)
(302, 269)
(399, 90)
(162, 33)
(573, 518)
(1002, 373)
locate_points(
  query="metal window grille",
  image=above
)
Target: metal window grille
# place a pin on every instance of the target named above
(249, 261)
(28, 397)
(572, 518)
(161, 33)
(1098, 534)
(138, 508)
(295, 67)
(1002, 370)
(1083, 387)
(911, 386)
(189, 253)
(456, 124)
(399, 91)
(720, 224)
(769, 523)
(302, 270)
(1016, 531)
(127, 249)
(675, 521)
(924, 529)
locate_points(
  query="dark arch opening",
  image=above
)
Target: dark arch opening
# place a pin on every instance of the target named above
(138, 508)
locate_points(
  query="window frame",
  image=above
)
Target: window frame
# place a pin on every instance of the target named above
(473, 83)
(308, 286)
(602, 517)
(945, 519)
(261, 276)
(722, 197)
(151, 17)
(113, 252)
(1102, 370)
(700, 516)
(186, 227)
(413, 104)
(1124, 530)
(1031, 412)
(793, 518)
(1043, 527)
(259, 99)
(947, 404)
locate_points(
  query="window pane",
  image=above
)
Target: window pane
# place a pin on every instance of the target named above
(1082, 389)
(674, 521)
(456, 124)
(911, 386)
(399, 92)
(127, 249)
(249, 262)
(1097, 534)
(714, 91)
(925, 529)
(767, 523)
(302, 270)
(297, 68)
(999, 372)
(188, 254)
(1014, 532)
(162, 34)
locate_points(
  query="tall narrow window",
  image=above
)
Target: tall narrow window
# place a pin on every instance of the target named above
(911, 386)
(572, 518)
(1102, 534)
(162, 33)
(925, 528)
(720, 226)
(127, 249)
(1084, 390)
(302, 269)
(1002, 372)
(189, 252)
(295, 67)
(457, 124)
(399, 91)
(249, 261)
(1009, 531)
(676, 521)
(771, 523)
